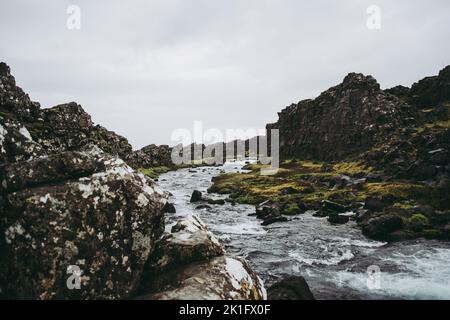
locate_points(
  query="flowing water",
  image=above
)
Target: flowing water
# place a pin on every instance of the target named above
(338, 262)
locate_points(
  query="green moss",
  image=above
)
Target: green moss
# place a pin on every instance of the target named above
(351, 168)
(417, 222)
(155, 172)
(291, 210)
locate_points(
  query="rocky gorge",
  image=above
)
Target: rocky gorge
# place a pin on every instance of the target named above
(79, 221)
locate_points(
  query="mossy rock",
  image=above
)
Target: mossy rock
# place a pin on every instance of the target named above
(417, 222)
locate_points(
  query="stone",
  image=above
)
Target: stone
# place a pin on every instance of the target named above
(334, 206)
(338, 219)
(190, 264)
(221, 278)
(169, 208)
(380, 227)
(196, 196)
(375, 204)
(290, 288)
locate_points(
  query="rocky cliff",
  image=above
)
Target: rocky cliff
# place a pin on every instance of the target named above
(344, 120)
(76, 220)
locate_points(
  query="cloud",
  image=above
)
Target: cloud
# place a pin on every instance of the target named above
(146, 68)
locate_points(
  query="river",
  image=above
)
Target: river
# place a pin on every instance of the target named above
(337, 261)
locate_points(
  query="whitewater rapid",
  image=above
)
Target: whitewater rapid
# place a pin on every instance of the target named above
(338, 262)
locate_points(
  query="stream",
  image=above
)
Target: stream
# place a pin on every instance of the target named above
(337, 261)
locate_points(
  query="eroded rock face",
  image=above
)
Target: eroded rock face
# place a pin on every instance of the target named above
(89, 210)
(431, 91)
(190, 263)
(344, 120)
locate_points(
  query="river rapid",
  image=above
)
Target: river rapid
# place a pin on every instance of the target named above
(337, 261)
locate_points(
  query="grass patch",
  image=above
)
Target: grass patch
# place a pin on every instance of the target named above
(155, 172)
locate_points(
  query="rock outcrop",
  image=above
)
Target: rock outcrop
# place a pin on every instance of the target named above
(76, 222)
(344, 120)
(151, 156)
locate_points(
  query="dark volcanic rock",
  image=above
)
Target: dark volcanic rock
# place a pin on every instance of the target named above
(334, 206)
(431, 91)
(169, 208)
(270, 213)
(196, 196)
(375, 204)
(344, 120)
(291, 288)
(338, 219)
(380, 227)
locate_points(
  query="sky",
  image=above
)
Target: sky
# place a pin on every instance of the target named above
(147, 68)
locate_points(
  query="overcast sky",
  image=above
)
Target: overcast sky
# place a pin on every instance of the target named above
(145, 68)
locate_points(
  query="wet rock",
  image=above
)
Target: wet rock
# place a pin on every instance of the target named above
(334, 206)
(202, 207)
(221, 278)
(196, 196)
(270, 213)
(380, 227)
(169, 208)
(216, 201)
(273, 219)
(291, 288)
(338, 218)
(189, 263)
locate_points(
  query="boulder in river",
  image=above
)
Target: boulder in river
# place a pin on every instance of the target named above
(338, 218)
(380, 227)
(189, 263)
(334, 206)
(291, 288)
(269, 212)
(196, 196)
(169, 208)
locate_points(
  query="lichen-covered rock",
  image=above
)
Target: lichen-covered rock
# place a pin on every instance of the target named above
(86, 209)
(151, 156)
(69, 127)
(189, 241)
(16, 143)
(222, 278)
(190, 263)
(12, 99)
